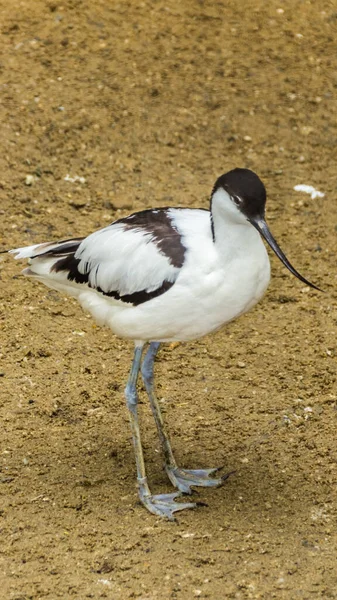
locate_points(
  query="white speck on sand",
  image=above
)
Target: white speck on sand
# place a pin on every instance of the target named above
(74, 179)
(309, 189)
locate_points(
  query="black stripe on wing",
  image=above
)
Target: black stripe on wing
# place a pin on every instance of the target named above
(139, 297)
(63, 247)
(69, 264)
(158, 223)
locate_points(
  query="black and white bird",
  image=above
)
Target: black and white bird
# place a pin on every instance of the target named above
(163, 275)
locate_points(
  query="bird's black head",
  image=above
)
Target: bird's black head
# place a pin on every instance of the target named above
(243, 196)
(246, 190)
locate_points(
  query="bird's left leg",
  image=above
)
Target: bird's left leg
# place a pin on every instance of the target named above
(183, 479)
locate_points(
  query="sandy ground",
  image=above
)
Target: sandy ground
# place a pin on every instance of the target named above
(149, 102)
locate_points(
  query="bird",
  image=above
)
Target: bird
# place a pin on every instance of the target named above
(167, 275)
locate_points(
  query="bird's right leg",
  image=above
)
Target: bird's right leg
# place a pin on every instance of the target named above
(183, 479)
(162, 504)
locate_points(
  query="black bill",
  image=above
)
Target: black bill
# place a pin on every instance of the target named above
(263, 229)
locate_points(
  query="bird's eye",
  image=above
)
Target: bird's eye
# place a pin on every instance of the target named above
(237, 200)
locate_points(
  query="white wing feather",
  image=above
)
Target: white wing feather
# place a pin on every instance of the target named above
(122, 260)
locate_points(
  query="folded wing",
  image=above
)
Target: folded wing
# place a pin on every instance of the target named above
(132, 260)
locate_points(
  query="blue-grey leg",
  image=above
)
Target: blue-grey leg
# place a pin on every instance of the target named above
(183, 479)
(162, 504)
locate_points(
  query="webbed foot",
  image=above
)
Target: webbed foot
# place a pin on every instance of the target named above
(185, 479)
(163, 505)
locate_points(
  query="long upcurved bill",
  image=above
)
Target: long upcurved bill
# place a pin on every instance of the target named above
(263, 229)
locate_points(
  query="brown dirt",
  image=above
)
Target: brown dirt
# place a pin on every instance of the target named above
(150, 102)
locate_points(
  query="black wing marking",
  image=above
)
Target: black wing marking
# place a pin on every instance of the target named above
(159, 224)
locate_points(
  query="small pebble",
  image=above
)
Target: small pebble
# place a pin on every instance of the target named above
(29, 179)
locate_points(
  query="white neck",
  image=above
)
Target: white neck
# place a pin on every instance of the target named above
(232, 230)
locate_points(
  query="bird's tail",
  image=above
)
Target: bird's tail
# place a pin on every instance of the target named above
(49, 262)
(46, 250)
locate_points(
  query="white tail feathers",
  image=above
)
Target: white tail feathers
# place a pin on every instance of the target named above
(47, 247)
(29, 251)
